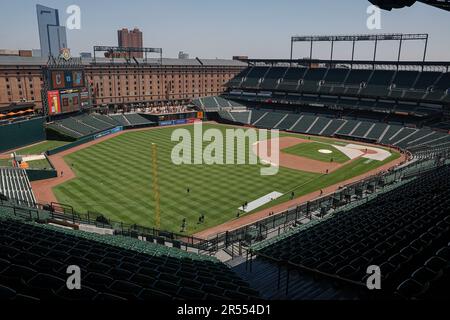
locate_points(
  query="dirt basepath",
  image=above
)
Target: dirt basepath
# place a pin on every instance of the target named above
(293, 161)
(252, 218)
(44, 193)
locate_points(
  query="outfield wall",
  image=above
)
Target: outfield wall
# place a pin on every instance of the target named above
(23, 133)
(41, 174)
(84, 140)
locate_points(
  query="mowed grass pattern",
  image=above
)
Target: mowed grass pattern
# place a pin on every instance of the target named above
(311, 151)
(114, 178)
(40, 164)
(41, 147)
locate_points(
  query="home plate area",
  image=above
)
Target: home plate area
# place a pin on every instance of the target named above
(354, 151)
(307, 162)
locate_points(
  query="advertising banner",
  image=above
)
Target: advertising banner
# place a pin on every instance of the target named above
(180, 121)
(166, 123)
(54, 105)
(108, 132)
(58, 80)
(192, 120)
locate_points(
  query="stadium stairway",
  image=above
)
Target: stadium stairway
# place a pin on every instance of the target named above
(263, 276)
(14, 184)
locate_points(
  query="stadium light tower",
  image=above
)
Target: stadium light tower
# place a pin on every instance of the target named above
(396, 4)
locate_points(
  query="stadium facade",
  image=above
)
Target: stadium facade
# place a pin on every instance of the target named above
(118, 82)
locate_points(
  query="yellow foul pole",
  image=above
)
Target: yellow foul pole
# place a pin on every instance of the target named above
(156, 186)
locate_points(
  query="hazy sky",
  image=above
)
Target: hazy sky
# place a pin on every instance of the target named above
(213, 28)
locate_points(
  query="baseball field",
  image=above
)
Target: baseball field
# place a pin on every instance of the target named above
(115, 178)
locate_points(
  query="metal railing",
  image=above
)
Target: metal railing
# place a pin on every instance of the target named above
(317, 209)
(57, 212)
(239, 239)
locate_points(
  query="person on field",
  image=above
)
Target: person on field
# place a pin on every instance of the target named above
(292, 195)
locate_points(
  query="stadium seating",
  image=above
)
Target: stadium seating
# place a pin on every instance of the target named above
(310, 123)
(405, 231)
(34, 259)
(254, 77)
(350, 87)
(136, 120)
(87, 124)
(272, 78)
(216, 103)
(15, 185)
(81, 125)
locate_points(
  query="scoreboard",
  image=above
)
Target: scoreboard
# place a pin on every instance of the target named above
(67, 79)
(68, 91)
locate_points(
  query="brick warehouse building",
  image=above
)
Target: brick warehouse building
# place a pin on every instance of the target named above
(117, 82)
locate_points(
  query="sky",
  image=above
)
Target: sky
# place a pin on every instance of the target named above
(222, 29)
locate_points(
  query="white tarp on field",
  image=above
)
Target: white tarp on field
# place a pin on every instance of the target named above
(33, 158)
(354, 151)
(261, 201)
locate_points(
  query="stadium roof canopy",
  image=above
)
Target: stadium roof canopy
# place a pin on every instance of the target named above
(395, 4)
(356, 38)
(39, 61)
(404, 65)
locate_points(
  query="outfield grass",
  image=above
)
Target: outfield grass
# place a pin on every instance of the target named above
(351, 170)
(41, 147)
(5, 163)
(311, 151)
(39, 164)
(115, 178)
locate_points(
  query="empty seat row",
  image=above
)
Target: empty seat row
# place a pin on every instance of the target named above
(34, 260)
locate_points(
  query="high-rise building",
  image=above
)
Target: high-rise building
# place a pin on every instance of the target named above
(52, 35)
(85, 55)
(36, 52)
(183, 55)
(131, 39)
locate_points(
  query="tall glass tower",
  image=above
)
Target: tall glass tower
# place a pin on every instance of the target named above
(52, 36)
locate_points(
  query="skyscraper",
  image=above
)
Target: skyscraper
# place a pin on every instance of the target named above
(132, 38)
(52, 36)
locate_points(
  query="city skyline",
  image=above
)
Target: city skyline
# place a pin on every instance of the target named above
(213, 29)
